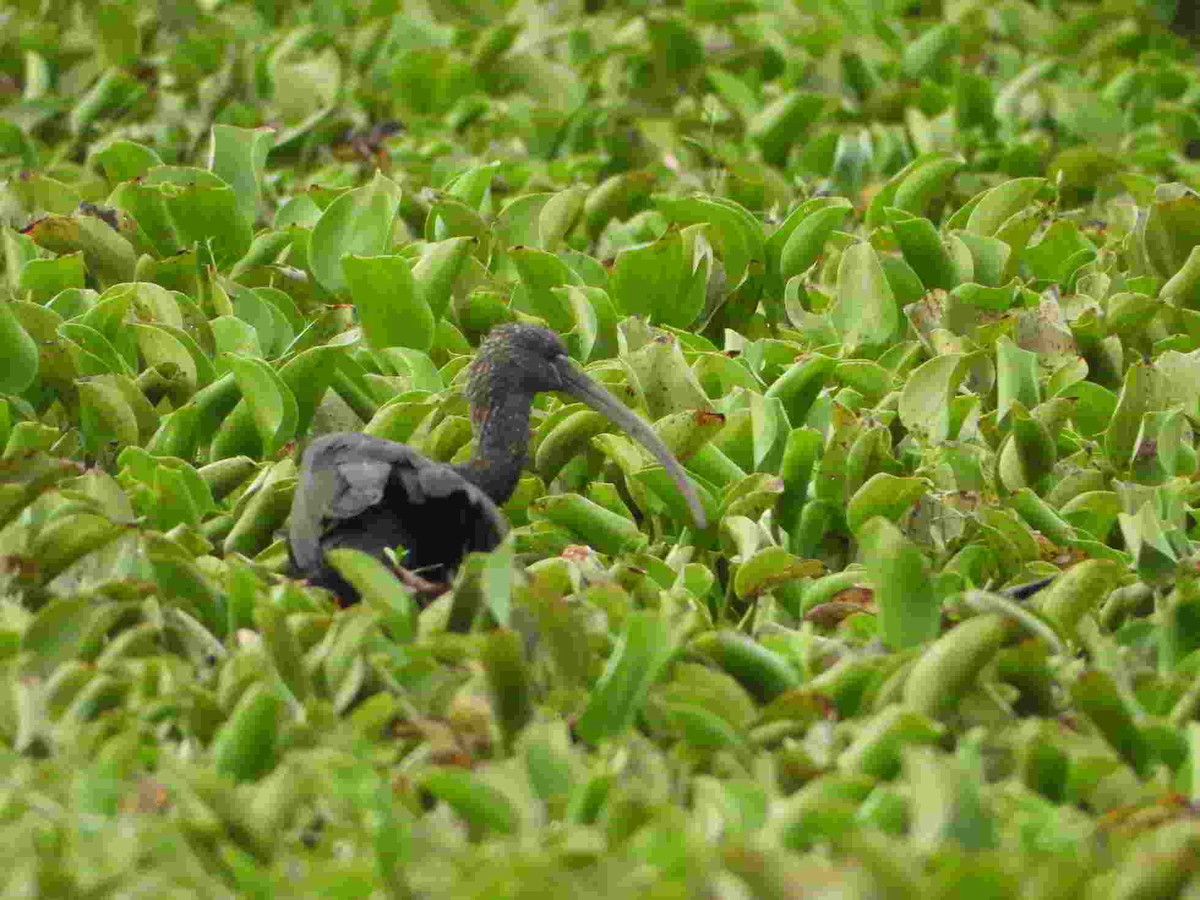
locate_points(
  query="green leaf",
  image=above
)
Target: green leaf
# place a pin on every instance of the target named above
(245, 747)
(391, 309)
(909, 611)
(643, 649)
(203, 210)
(18, 354)
(44, 278)
(124, 160)
(237, 157)
(1001, 203)
(359, 223)
(380, 590)
(484, 807)
(271, 403)
(883, 495)
(927, 394)
(865, 312)
(437, 269)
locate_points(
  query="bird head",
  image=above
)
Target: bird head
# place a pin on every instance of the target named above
(518, 360)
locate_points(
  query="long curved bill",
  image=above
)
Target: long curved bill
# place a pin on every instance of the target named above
(576, 383)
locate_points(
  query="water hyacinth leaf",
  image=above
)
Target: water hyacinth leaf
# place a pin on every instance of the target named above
(883, 495)
(124, 160)
(497, 578)
(865, 312)
(921, 56)
(1081, 589)
(776, 126)
(909, 611)
(607, 531)
(1002, 202)
(808, 237)
(648, 280)
(779, 237)
(392, 311)
(18, 354)
(559, 215)
(948, 668)
(540, 273)
(920, 182)
(800, 385)
(1041, 516)
(1028, 454)
(110, 258)
(99, 349)
(879, 746)
(768, 424)
(264, 512)
(733, 232)
(701, 728)
(761, 671)
(1049, 258)
(69, 538)
(924, 251)
(1155, 558)
(284, 649)
(1183, 288)
(204, 211)
(308, 375)
(270, 401)
(770, 567)
(1098, 697)
(800, 456)
(566, 440)
(1172, 228)
(160, 348)
(484, 807)
(1139, 395)
(246, 745)
(664, 489)
(435, 272)
(359, 222)
(643, 649)
(927, 394)
(44, 278)
(1016, 377)
(380, 590)
(54, 634)
(508, 678)
(237, 156)
(664, 381)
(106, 414)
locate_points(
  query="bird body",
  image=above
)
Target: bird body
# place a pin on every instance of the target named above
(372, 494)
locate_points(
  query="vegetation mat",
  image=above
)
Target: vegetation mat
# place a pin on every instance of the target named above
(913, 288)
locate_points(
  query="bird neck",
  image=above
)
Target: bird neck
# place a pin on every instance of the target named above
(502, 440)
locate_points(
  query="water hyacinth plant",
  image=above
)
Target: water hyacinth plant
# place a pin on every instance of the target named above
(910, 291)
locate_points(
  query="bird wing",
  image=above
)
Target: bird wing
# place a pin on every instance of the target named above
(345, 474)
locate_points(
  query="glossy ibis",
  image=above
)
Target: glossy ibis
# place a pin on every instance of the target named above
(368, 493)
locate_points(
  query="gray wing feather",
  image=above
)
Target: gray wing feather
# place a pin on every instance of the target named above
(360, 484)
(343, 475)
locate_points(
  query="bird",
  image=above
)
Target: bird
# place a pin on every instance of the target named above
(364, 492)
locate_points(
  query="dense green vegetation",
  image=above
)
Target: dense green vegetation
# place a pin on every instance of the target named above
(912, 287)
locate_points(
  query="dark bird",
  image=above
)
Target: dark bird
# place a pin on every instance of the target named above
(372, 494)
